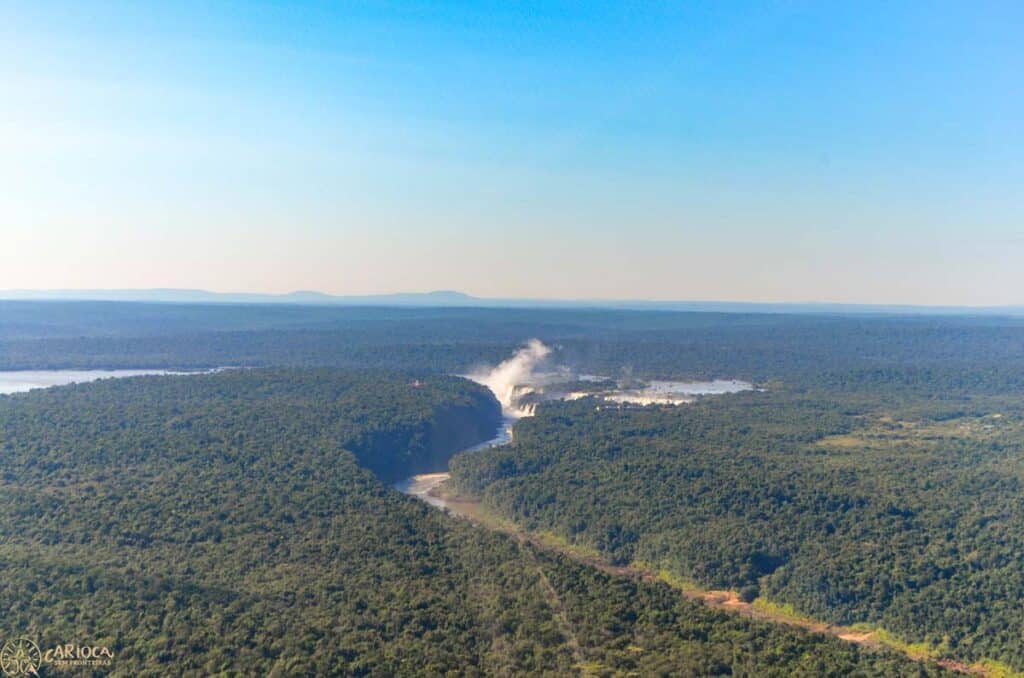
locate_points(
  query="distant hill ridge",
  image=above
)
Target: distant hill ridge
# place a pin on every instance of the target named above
(173, 295)
(453, 298)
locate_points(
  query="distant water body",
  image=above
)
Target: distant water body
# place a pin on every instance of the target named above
(27, 380)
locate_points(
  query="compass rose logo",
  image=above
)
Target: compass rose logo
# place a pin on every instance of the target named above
(20, 657)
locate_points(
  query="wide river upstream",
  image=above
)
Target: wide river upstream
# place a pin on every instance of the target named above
(27, 380)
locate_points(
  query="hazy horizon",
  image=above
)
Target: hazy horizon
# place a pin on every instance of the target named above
(428, 298)
(768, 152)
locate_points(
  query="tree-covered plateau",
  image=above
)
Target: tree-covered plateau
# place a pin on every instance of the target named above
(227, 524)
(893, 509)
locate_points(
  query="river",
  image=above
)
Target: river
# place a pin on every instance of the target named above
(421, 485)
(20, 381)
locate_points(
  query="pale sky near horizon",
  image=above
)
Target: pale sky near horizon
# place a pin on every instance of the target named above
(770, 151)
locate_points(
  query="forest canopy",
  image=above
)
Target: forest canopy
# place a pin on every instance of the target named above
(900, 512)
(226, 524)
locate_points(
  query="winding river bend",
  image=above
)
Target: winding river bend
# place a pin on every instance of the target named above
(422, 484)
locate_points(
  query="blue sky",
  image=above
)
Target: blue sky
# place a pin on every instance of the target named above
(863, 152)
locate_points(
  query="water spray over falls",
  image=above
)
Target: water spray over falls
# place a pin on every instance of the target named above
(519, 384)
(512, 378)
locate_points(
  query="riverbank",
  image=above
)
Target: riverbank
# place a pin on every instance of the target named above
(423, 485)
(472, 510)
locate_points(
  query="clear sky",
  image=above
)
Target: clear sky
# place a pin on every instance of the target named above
(770, 151)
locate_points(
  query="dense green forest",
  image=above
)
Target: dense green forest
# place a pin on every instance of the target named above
(852, 506)
(875, 354)
(227, 524)
(875, 478)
